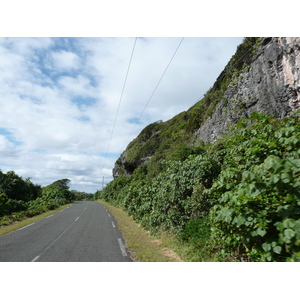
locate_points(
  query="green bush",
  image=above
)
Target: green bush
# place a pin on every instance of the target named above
(197, 231)
(28, 203)
(257, 189)
(244, 188)
(174, 196)
(9, 206)
(36, 207)
(4, 207)
(259, 217)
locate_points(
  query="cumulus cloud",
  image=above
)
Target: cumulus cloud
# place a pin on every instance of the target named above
(59, 98)
(79, 88)
(64, 60)
(6, 147)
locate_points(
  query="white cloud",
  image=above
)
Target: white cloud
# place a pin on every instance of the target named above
(6, 147)
(59, 99)
(64, 60)
(26, 46)
(79, 86)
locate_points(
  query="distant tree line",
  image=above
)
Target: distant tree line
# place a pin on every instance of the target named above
(20, 198)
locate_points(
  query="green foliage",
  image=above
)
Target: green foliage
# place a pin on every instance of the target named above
(15, 187)
(257, 189)
(8, 206)
(173, 197)
(259, 215)
(238, 198)
(52, 196)
(82, 196)
(197, 234)
(109, 192)
(196, 231)
(21, 198)
(16, 193)
(61, 184)
(184, 152)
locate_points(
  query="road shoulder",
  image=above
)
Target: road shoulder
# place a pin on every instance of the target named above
(142, 246)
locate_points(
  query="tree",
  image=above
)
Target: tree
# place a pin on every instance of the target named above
(61, 184)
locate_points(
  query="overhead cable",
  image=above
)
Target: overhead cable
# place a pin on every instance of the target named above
(163, 74)
(113, 128)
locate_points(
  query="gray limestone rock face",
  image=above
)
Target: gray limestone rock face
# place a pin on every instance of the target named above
(270, 85)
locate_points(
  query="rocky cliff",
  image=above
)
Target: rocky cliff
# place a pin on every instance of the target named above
(270, 84)
(263, 75)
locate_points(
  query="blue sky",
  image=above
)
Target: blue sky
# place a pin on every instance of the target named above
(59, 99)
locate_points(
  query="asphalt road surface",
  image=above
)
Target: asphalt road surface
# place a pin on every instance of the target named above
(83, 232)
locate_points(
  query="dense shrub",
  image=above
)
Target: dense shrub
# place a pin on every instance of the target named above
(260, 217)
(239, 197)
(30, 199)
(174, 196)
(15, 187)
(258, 191)
(9, 206)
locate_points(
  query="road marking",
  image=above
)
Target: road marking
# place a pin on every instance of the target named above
(122, 247)
(26, 226)
(109, 215)
(53, 242)
(36, 258)
(55, 239)
(49, 216)
(113, 225)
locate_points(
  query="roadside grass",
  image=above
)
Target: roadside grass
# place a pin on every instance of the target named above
(188, 252)
(164, 247)
(143, 246)
(19, 224)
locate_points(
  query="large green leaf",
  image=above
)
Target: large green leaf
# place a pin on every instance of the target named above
(266, 247)
(277, 249)
(288, 223)
(261, 231)
(289, 233)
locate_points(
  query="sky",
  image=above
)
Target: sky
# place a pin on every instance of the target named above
(70, 106)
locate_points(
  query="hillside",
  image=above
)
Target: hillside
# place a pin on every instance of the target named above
(224, 176)
(263, 75)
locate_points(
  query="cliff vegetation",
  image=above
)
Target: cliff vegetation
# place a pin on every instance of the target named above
(224, 176)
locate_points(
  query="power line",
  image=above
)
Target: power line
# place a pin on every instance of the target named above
(113, 128)
(235, 64)
(163, 74)
(121, 97)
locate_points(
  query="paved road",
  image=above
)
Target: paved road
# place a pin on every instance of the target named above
(84, 231)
